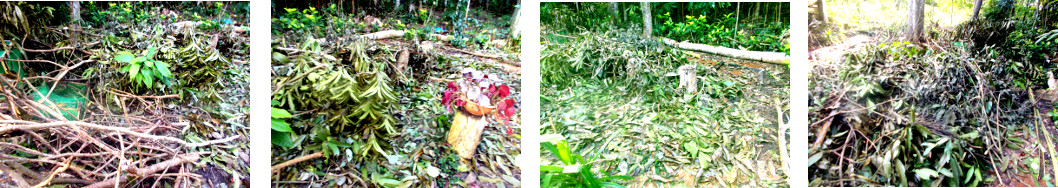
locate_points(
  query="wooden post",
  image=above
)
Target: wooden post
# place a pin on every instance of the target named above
(465, 134)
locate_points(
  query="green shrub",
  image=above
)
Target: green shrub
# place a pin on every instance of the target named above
(575, 171)
(144, 70)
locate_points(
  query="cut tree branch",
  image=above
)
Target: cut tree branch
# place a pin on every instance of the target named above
(279, 166)
(27, 126)
(143, 172)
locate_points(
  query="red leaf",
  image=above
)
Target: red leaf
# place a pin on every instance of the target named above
(446, 100)
(510, 102)
(510, 112)
(452, 85)
(504, 91)
(510, 132)
(492, 90)
(502, 107)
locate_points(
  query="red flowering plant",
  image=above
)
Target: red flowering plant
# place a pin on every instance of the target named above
(483, 91)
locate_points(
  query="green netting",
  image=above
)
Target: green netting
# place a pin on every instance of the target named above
(69, 99)
(11, 66)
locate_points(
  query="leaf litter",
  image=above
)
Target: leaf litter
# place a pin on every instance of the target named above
(632, 120)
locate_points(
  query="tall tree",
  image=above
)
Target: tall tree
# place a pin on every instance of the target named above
(914, 20)
(616, 13)
(977, 9)
(647, 25)
(821, 13)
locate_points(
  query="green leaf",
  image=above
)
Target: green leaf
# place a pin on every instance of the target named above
(546, 168)
(148, 77)
(946, 172)
(139, 59)
(812, 159)
(969, 176)
(925, 173)
(134, 70)
(163, 69)
(281, 126)
(281, 139)
(334, 148)
(124, 57)
(280, 113)
(150, 52)
(971, 135)
(386, 182)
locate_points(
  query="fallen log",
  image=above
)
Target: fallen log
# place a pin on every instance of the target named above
(383, 34)
(767, 57)
(399, 33)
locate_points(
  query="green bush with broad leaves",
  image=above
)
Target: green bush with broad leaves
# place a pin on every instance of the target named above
(575, 171)
(145, 70)
(280, 127)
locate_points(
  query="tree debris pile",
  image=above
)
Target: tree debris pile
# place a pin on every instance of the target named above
(348, 95)
(115, 103)
(621, 108)
(897, 114)
(364, 104)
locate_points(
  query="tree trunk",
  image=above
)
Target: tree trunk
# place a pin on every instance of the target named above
(914, 20)
(738, 13)
(465, 134)
(516, 31)
(466, 11)
(767, 57)
(756, 13)
(688, 78)
(977, 9)
(75, 22)
(647, 25)
(821, 11)
(616, 13)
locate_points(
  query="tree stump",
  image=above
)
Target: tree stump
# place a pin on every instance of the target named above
(465, 134)
(688, 78)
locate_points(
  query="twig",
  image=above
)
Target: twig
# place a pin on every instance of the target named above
(143, 172)
(279, 166)
(476, 54)
(435, 79)
(783, 126)
(15, 175)
(49, 50)
(126, 94)
(53, 173)
(26, 125)
(1047, 135)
